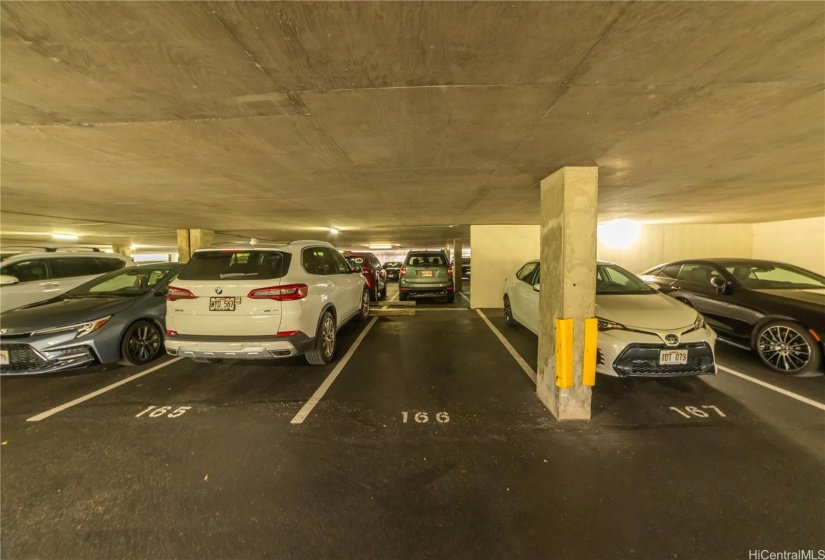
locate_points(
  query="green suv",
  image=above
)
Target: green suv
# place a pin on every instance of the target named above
(426, 272)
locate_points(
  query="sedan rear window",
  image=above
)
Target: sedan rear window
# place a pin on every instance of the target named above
(240, 265)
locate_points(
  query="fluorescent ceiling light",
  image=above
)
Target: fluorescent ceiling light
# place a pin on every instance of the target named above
(381, 246)
(333, 230)
(65, 237)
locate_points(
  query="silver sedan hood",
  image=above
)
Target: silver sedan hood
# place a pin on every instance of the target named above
(645, 311)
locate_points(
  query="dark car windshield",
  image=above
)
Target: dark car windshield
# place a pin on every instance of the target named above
(124, 282)
(241, 265)
(426, 259)
(774, 276)
(613, 279)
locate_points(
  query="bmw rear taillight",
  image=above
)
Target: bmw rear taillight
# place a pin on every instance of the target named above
(170, 332)
(174, 294)
(288, 292)
(403, 272)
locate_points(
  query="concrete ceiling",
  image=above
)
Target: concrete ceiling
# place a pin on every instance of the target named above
(392, 121)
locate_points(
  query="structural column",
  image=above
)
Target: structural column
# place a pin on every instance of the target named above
(458, 261)
(190, 240)
(569, 201)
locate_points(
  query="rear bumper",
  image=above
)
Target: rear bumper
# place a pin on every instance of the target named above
(239, 347)
(429, 288)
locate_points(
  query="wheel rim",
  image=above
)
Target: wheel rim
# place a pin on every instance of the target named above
(784, 348)
(508, 314)
(328, 337)
(365, 304)
(143, 344)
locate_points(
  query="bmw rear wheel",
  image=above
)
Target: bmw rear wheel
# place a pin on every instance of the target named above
(324, 348)
(364, 311)
(787, 348)
(141, 344)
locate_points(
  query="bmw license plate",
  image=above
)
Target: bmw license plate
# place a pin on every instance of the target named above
(222, 304)
(4, 357)
(426, 273)
(673, 357)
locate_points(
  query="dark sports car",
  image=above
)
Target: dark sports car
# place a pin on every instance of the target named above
(774, 308)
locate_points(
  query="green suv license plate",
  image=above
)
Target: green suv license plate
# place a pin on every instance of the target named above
(426, 273)
(222, 304)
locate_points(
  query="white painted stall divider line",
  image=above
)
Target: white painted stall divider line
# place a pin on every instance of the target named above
(321, 391)
(441, 308)
(524, 365)
(62, 407)
(779, 390)
(464, 296)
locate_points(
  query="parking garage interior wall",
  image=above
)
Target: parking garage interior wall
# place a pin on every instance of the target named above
(658, 243)
(799, 242)
(499, 251)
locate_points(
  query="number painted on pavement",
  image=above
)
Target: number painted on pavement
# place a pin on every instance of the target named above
(157, 412)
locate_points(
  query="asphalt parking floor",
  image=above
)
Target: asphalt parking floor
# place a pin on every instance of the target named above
(430, 443)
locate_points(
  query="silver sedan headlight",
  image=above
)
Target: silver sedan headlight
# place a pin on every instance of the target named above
(605, 325)
(82, 329)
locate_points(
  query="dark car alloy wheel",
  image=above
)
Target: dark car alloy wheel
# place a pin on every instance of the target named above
(508, 313)
(787, 348)
(365, 306)
(141, 343)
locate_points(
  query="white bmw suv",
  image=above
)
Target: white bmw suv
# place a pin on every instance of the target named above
(263, 301)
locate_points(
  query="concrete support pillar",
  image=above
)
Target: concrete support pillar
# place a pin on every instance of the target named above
(190, 240)
(125, 250)
(458, 260)
(569, 201)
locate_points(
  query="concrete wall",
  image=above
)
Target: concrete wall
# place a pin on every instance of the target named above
(660, 243)
(498, 251)
(799, 242)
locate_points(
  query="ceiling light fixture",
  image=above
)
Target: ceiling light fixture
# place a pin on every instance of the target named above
(381, 246)
(619, 234)
(65, 237)
(333, 230)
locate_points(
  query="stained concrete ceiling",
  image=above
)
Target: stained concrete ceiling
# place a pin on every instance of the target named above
(392, 121)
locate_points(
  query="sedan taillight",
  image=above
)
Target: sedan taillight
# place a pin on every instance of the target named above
(403, 272)
(288, 292)
(174, 294)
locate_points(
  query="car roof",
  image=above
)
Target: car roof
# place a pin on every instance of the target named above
(63, 255)
(264, 246)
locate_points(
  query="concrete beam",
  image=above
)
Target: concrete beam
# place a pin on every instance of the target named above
(190, 240)
(458, 260)
(569, 200)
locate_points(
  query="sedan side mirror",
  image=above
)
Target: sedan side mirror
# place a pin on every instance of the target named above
(5, 280)
(536, 287)
(721, 285)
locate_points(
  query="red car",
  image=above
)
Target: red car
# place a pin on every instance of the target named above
(372, 271)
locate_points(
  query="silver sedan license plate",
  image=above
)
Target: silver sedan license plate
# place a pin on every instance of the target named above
(222, 304)
(673, 357)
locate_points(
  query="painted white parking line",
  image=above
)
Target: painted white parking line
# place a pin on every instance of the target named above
(524, 365)
(417, 309)
(464, 296)
(62, 407)
(321, 391)
(779, 390)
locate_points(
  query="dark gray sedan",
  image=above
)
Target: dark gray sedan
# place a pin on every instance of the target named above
(117, 317)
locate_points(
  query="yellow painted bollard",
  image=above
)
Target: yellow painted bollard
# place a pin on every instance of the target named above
(564, 353)
(591, 336)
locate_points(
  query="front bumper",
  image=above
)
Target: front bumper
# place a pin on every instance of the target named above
(239, 347)
(26, 359)
(636, 354)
